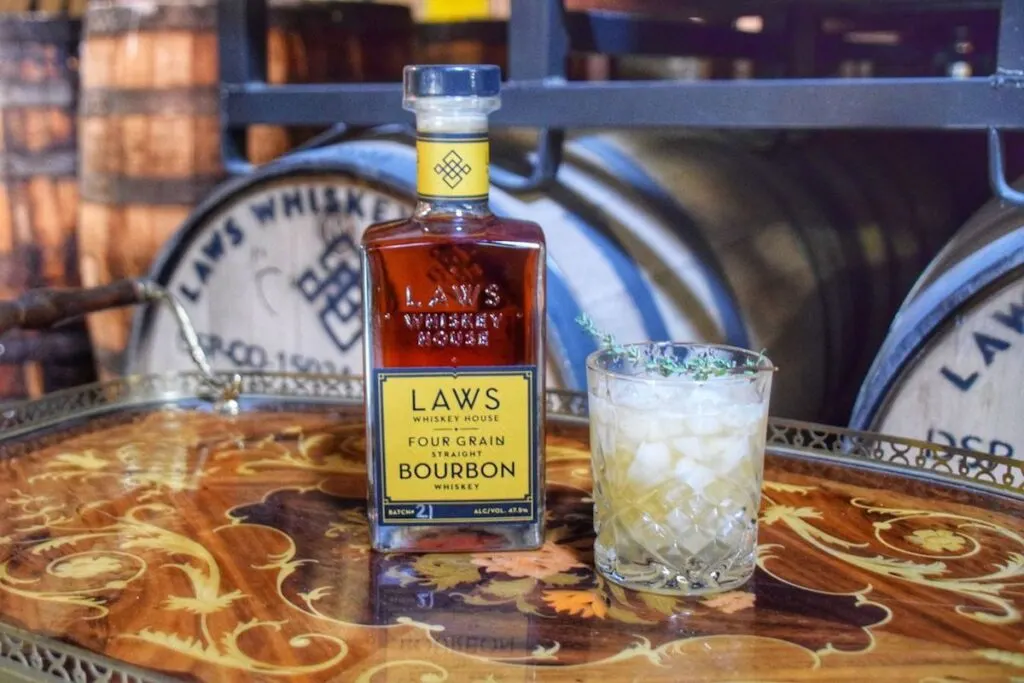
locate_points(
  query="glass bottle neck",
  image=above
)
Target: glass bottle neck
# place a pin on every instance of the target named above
(452, 157)
(432, 208)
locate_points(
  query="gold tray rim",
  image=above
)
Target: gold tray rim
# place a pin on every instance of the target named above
(913, 458)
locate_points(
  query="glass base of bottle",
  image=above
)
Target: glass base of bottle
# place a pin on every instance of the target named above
(463, 538)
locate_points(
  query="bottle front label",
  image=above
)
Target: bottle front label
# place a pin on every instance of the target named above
(456, 446)
(452, 166)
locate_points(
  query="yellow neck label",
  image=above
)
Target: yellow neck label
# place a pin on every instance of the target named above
(452, 166)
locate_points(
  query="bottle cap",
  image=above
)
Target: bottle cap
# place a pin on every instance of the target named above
(451, 80)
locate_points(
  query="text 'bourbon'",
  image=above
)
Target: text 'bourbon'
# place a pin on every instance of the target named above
(454, 305)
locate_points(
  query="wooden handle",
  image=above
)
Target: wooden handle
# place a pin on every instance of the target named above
(41, 308)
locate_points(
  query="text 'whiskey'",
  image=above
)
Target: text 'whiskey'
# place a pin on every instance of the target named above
(455, 314)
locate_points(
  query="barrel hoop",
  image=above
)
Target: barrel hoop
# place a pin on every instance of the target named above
(119, 20)
(30, 28)
(573, 349)
(58, 163)
(52, 63)
(20, 95)
(486, 32)
(834, 294)
(975, 232)
(182, 101)
(846, 228)
(651, 192)
(841, 188)
(19, 347)
(884, 207)
(922, 319)
(104, 188)
(597, 231)
(367, 163)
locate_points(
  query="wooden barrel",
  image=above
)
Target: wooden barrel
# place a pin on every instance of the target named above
(485, 41)
(150, 128)
(39, 196)
(951, 369)
(150, 141)
(333, 42)
(894, 211)
(656, 236)
(463, 42)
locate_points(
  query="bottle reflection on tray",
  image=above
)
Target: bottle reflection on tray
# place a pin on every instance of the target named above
(495, 632)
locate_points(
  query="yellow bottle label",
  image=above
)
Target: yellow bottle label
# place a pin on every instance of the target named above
(455, 10)
(456, 446)
(452, 166)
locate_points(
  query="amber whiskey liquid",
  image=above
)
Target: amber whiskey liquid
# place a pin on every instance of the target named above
(454, 306)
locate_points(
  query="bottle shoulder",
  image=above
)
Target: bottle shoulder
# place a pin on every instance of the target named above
(493, 229)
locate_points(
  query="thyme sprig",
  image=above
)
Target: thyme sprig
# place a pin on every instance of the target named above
(660, 359)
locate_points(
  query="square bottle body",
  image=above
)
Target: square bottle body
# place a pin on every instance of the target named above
(455, 319)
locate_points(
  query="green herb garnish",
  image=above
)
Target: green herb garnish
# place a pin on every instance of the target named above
(661, 359)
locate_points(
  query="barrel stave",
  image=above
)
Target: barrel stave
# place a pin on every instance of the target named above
(39, 197)
(150, 141)
(329, 43)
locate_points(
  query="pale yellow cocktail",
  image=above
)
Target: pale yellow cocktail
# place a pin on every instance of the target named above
(678, 463)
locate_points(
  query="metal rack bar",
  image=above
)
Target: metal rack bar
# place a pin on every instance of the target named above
(537, 40)
(537, 94)
(1010, 76)
(243, 59)
(538, 47)
(1010, 58)
(973, 103)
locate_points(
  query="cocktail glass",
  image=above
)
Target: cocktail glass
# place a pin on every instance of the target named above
(678, 462)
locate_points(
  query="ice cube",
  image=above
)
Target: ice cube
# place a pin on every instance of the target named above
(742, 391)
(666, 425)
(633, 425)
(694, 475)
(672, 395)
(731, 451)
(689, 447)
(704, 424)
(707, 398)
(745, 416)
(650, 464)
(638, 395)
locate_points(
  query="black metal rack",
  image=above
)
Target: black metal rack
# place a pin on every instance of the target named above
(537, 93)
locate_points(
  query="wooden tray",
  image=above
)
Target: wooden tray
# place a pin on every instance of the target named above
(146, 538)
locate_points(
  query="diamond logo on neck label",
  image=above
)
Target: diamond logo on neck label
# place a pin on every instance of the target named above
(452, 169)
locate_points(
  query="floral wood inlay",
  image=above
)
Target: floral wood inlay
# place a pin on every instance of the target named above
(236, 549)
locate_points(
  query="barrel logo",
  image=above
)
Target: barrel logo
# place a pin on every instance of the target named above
(273, 280)
(989, 344)
(334, 286)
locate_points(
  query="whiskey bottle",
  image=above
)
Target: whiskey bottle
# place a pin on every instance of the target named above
(454, 309)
